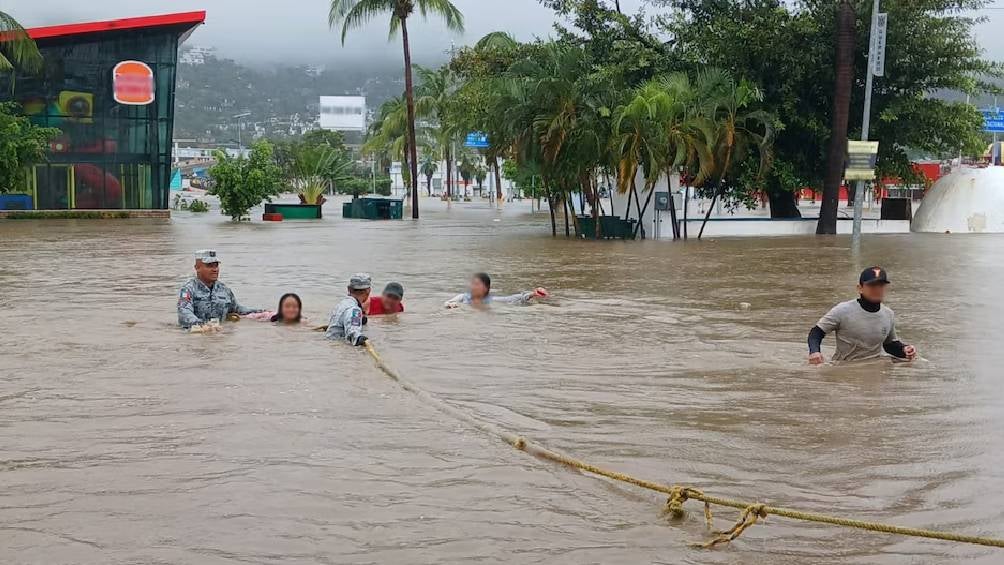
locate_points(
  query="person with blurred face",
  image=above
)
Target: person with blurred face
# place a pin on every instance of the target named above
(479, 294)
(204, 301)
(390, 302)
(290, 310)
(864, 327)
(348, 319)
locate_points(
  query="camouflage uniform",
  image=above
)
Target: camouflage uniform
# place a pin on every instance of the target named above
(199, 303)
(347, 320)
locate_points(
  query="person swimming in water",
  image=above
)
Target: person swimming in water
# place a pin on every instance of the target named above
(290, 310)
(480, 294)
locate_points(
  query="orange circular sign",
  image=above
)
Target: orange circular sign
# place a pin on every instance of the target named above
(132, 83)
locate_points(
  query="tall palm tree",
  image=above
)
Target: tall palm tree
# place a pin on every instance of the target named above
(356, 13)
(17, 50)
(436, 100)
(736, 130)
(841, 114)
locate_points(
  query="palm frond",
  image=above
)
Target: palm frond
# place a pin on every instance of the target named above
(17, 50)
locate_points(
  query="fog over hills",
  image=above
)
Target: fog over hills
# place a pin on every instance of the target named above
(297, 32)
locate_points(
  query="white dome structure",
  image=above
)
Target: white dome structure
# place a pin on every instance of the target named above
(965, 201)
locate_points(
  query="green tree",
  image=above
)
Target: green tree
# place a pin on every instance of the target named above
(788, 49)
(437, 101)
(22, 145)
(243, 183)
(316, 168)
(17, 50)
(356, 13)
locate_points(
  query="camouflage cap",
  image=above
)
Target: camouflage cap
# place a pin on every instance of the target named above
(360, 281)
(207, 256)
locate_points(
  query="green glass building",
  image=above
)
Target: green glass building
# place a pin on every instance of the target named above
(109, 88)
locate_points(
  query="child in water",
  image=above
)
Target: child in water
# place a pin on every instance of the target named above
(290, 310)
(480, 294)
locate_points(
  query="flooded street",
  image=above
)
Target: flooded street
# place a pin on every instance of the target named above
(126, 440)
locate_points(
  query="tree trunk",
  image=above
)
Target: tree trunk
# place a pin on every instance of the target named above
(564, 206)
(641, 213)
(498, 179)
(409, 94)
(449, 171)
(841, 112)
(714, 199)
(575, 218)
(672, 205)
(686, 211)
(550, 208)
(783, 203)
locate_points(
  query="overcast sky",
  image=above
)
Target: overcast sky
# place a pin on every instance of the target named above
(257, 30)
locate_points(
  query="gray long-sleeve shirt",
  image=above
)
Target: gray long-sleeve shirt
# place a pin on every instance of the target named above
(199, 303)
(860, 334)
(346, 321)
(465, 298)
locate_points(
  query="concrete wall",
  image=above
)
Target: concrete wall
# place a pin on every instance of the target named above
(748, 227)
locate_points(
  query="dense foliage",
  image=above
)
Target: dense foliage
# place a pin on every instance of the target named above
(243, 183)
(22, 144)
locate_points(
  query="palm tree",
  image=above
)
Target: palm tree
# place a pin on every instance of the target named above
(428, 167)
(356, 13)
(841, 114)
(17, 50)
(734, 131)
(436, 100)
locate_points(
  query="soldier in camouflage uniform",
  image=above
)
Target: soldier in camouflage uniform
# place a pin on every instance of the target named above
(348, 319)
(204, 298)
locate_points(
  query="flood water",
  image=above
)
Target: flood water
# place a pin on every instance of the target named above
(125, 440)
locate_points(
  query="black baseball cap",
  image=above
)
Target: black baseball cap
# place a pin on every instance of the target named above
(394, 289)
(874, 275)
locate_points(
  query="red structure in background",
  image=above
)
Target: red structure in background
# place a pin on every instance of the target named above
(931, 171)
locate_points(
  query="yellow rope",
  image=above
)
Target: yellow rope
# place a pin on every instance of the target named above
(750, 513)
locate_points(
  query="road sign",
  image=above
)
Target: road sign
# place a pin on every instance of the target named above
(877, 48)
(477, 140)
(861, 159)
(993, 120)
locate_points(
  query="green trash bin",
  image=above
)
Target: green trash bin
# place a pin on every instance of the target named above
(372, 208)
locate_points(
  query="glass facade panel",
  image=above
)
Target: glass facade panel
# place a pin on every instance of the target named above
(108, 155)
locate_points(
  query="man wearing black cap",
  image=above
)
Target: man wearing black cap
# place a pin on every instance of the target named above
(864, 327)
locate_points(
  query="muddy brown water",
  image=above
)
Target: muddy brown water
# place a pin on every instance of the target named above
(125, 440)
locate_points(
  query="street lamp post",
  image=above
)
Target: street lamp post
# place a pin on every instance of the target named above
(239, 118)
(875, 52)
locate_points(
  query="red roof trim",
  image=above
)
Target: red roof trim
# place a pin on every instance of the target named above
(190, 18)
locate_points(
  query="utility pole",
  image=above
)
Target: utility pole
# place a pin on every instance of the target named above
(876, 67)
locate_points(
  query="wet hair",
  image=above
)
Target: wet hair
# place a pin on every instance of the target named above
(485, 279)
(277, 317)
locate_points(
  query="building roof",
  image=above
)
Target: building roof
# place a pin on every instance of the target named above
(186, 20)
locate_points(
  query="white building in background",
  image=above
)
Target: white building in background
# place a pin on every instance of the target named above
(343, 113)
(195, 55)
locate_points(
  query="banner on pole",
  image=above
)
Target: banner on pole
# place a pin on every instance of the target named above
(876, 52)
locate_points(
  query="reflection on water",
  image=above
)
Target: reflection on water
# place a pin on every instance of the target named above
(123, 440)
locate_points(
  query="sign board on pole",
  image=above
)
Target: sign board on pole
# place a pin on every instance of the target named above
(477, 140)
(132, 83)
(861, 159)
(877, 50)
(993, 120)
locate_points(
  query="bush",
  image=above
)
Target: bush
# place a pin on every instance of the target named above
(242, 184)
(22, 144)
(357, 186)
(198, 206)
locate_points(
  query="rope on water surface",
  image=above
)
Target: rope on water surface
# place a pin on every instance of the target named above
(750, 512)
